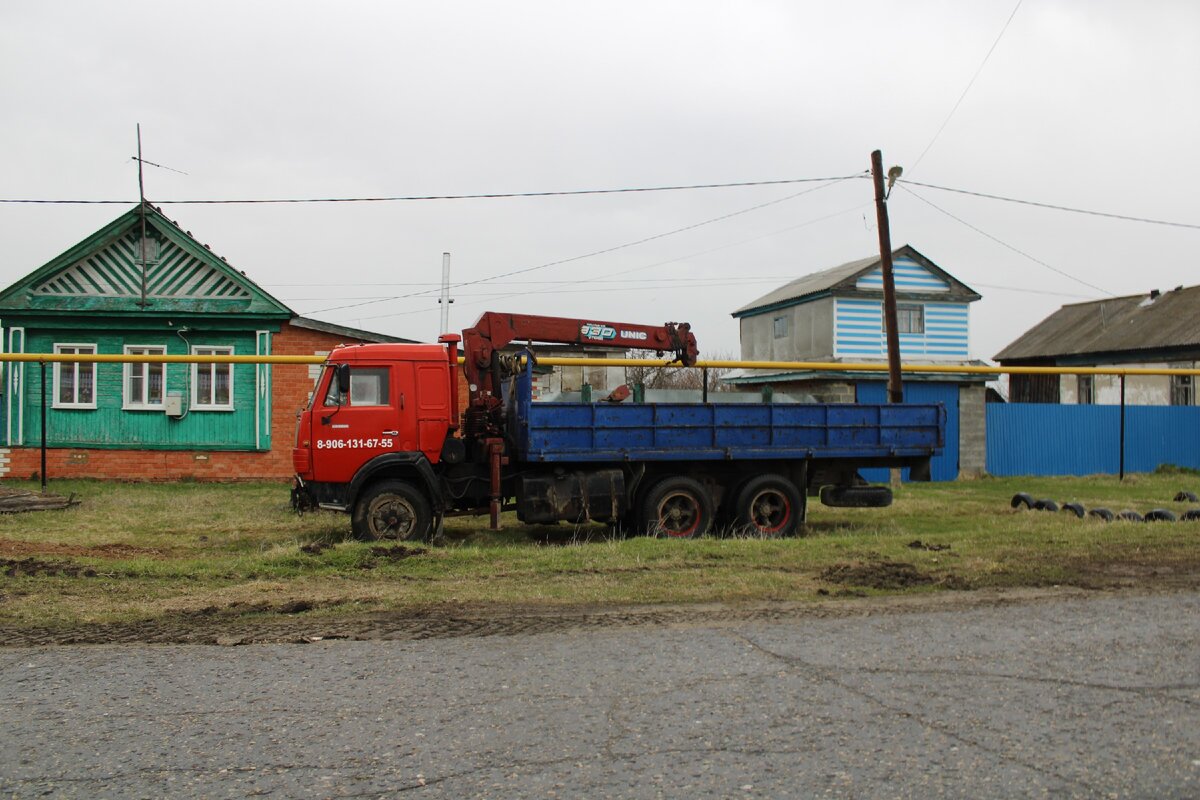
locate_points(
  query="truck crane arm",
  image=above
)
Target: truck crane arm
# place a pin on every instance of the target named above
(494, 330)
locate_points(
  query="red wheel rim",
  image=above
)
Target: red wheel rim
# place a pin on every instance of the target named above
(770, 511)
(679, 515)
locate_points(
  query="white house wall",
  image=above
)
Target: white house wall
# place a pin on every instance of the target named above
(1140, 390)
(809, 333)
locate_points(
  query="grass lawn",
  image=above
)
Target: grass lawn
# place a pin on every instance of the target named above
(132, 552)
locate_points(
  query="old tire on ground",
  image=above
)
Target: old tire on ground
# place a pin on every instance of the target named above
(677, 507)
(1074, 508)
(1191, 515)
(1130, 516)
(768, 505)
(1022, 499)
(1159, 515)
(391, 509)
(1186, 497)
(1102, 513)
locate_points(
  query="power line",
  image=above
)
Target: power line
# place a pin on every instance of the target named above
(642, 267)
(1051, 205)
(482, 196)
(970, 83)
(595, 253)
(1006, 244)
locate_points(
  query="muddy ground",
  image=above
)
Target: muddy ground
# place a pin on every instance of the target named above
(291, 622)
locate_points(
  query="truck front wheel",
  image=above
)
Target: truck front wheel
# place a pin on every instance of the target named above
(677, 507)
(391, 509)
(769, 505)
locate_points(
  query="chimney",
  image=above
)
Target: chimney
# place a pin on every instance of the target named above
(1154, 293)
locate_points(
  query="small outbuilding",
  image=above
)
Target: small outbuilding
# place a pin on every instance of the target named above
(836, 315)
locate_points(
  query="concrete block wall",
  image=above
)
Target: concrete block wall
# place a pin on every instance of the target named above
(972, 430)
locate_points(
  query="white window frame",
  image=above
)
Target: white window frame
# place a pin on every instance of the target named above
(913, 312)
(1085, 390)
(211, 350)
(129, 403)
(1183, 390)
(59, 366)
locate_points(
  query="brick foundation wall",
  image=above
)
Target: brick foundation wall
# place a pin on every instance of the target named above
(290, 386)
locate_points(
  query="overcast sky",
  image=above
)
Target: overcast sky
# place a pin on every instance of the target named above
(1086, 103)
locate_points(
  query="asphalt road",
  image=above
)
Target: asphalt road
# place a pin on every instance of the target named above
(1062, 698)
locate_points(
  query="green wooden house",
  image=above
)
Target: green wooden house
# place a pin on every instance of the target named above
(119, 292)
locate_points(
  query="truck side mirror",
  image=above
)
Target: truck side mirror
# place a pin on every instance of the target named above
(343, 379)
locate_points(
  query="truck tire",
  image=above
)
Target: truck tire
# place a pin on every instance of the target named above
(677, 507)
(769, 505)
(391, 509)
(856, 496)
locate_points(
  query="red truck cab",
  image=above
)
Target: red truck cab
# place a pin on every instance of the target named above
(375, 407)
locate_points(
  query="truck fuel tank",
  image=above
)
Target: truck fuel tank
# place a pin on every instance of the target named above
(580, 496)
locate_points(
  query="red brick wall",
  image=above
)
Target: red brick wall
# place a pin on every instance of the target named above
(290, 385)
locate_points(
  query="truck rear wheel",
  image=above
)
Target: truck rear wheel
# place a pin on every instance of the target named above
(391, 509)
(769, 505)
(677, 507)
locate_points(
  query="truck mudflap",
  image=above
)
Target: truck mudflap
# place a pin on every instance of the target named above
(549, 497)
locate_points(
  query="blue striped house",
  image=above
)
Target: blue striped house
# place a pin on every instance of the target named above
(836, 315)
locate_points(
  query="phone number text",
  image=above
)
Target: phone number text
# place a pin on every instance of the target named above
(344, 444)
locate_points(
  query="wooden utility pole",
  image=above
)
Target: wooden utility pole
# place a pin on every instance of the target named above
(895, 387)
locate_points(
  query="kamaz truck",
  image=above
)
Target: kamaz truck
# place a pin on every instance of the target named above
(384, 439)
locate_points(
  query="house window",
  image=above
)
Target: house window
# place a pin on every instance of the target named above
(910, 318)
(368, 387)
(74, 381)
(212, 384)
(1183, 390)
(781, 327)
(1085, 390)
(144, 381)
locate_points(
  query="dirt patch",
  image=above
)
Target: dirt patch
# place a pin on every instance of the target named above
(14, 547)
(237, 624)
(917, 544)
(877, 575)
(315, 548)
(30, 567)
(397, 552)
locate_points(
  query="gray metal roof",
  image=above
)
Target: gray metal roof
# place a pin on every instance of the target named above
(342, 330)
(1117, 324)
(845, 276)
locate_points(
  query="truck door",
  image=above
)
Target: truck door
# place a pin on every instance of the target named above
(376, 417)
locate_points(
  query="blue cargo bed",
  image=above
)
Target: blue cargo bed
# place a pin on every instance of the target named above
(566, 432)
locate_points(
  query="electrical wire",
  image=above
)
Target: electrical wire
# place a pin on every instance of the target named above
(595, 253)
(970, 83)
(638, 268)
(481, 196)
(1006, 244)
(1050, 205)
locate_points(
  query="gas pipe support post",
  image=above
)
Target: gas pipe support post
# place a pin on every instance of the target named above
(1122, 465)
(895, 387)
(43, 427)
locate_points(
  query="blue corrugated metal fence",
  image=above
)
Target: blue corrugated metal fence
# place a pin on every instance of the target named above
(1052, 439)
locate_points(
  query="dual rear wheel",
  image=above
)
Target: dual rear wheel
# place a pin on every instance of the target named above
(681, 507)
